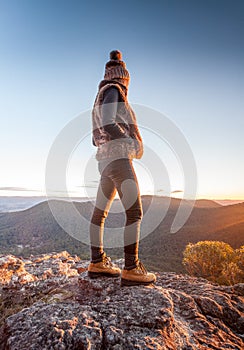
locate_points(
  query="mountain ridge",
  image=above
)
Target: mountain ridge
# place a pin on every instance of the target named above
(35, 230)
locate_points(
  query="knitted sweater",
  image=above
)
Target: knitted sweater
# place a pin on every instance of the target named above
(115, 129)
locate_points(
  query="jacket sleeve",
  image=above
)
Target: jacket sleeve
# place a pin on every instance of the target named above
(109, 110)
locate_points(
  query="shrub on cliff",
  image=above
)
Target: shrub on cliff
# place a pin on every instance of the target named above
(215, 261)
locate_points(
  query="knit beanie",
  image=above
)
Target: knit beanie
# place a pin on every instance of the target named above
(115, 69)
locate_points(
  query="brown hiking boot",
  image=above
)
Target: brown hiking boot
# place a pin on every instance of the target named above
(137, 276)
(103, 268)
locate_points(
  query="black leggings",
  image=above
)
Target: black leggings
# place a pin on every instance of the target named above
(113, 177)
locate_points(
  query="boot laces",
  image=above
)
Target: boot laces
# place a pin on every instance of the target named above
(142, 267)
(107, 261)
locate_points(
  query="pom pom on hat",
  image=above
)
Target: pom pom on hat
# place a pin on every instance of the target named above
(116, 55)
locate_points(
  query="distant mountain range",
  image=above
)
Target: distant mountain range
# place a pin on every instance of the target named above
(16, 203)
(35, 230)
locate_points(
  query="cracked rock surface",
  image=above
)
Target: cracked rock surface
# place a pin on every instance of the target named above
(53, 304)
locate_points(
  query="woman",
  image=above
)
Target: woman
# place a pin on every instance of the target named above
(116, 134)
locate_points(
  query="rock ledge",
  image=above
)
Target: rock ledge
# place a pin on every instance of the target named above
(50, 303)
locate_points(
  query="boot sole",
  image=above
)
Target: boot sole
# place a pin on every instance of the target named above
(99, 274)
(125, 282)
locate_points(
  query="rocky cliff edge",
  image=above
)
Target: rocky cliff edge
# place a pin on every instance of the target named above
(48, 302)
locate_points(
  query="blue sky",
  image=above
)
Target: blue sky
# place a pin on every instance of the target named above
(185, 60)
